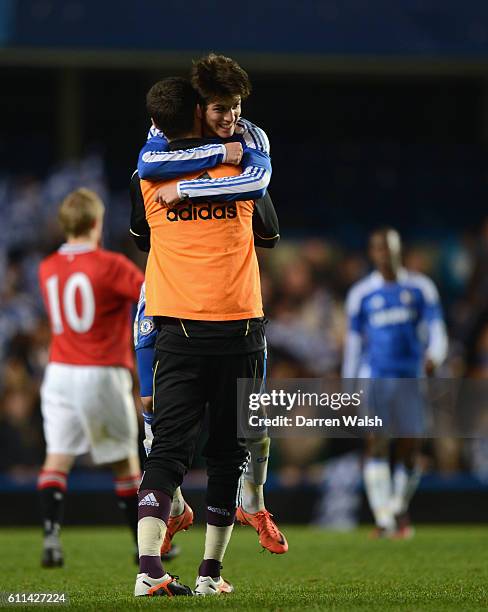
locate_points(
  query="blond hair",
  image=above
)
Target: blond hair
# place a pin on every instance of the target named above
(79, 212)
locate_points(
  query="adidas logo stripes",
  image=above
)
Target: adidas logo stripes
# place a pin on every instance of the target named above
(149, 500)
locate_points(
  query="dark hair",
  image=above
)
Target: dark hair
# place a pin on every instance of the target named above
(217, 76)
(171, 105)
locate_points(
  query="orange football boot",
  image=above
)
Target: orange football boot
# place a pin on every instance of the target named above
(177, 523)
(404, 529)
(270, 537)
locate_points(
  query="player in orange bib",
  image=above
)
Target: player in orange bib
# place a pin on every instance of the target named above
(221, 84)
(202, 287)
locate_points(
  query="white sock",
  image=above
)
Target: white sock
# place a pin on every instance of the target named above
(216, 541)
(252, 496)
(377, 481)
(405, 483)
(178, 503)
(255, 475)
(150, 536)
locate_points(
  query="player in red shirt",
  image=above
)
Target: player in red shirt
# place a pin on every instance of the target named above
(86, 395)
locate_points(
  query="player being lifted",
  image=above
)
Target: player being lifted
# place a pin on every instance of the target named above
(202, 282)
(221, 85)
(388, 313)
(86, 395)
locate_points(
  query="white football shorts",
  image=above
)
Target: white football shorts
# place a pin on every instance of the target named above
(89, 409)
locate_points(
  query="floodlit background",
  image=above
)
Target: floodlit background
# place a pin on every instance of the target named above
(377, 113)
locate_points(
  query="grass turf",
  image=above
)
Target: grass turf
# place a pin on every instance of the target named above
(442, 568)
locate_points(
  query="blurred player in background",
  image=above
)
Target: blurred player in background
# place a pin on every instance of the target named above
(221, 85)
(86, 395)
(396, 330)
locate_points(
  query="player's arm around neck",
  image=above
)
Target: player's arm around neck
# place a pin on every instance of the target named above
(251, 184)
(158, 163)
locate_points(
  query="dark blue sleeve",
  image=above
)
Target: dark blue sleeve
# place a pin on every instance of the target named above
(254, 157)
(156, 162)
(251, 184)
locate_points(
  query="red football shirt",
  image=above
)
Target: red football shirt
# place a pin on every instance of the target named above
(88, 293)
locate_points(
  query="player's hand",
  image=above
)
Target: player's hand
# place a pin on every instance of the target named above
(234, 153)
(167, 196)
(429, 367)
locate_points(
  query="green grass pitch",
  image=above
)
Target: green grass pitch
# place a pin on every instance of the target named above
(442, 568)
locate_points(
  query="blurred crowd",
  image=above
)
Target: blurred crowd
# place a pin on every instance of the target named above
(304, 283)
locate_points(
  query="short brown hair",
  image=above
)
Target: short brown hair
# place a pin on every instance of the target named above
(171, 105)
(79, 211)
(217, 76)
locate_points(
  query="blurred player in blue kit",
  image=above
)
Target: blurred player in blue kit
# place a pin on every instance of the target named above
(395, 331)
